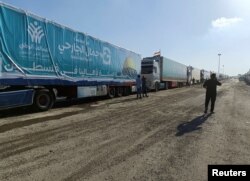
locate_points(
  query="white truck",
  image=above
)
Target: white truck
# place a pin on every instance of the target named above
(163, 73)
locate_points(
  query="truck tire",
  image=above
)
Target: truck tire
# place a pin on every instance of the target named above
(111, 92)
(43, 100)
(119, 91)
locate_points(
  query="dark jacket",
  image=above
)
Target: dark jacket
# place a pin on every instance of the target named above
(211, 86)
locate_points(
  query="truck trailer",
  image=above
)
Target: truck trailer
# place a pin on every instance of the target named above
(248, 77)
(194, 75)
(205, 75)
(41, 60)
(163, 73)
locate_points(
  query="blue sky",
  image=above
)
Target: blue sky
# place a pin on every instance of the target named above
(191, 32)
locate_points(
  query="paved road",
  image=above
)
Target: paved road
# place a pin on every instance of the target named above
(162, 137)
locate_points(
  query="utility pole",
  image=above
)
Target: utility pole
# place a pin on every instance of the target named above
(219, 54)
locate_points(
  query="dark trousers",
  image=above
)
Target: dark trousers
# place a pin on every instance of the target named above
(213, 98)
(138, 92)
(144, 91)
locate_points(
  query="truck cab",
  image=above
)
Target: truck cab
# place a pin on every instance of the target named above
(150, 69)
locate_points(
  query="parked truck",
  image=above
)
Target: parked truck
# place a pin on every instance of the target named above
(245, 77)
(163, 73)
(248, 77)
(194, 76)
(205, 75)
(41, 60)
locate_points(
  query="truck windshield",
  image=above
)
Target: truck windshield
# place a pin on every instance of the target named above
(147, 69)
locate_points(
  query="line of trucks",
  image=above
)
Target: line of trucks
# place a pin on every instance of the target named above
(41, 61)
(245, 77)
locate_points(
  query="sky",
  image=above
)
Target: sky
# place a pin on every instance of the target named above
(192, 32)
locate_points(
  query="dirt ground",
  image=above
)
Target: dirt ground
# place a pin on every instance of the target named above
(162, 137)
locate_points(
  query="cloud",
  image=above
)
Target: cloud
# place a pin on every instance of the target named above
(225, 22)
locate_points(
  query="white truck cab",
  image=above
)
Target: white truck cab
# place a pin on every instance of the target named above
(150, 69)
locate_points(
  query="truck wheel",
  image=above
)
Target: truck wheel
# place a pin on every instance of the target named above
(119, 91)
(43, 100)
(111, 93)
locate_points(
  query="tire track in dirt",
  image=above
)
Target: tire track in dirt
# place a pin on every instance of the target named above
(145, 144)
(109, 121)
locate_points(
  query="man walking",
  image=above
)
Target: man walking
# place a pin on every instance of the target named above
(211, 86)
(138, 86)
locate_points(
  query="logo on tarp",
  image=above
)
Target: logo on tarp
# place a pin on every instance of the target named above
(106, 56)
(35, 32)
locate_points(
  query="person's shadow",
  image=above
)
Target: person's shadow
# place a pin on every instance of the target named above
(191, 125)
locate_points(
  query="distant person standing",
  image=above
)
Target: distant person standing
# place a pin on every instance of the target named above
(144, 87)
(193, 81)
(138, 86)
(211, 86)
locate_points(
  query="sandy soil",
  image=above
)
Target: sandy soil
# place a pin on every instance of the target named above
(162, 137)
